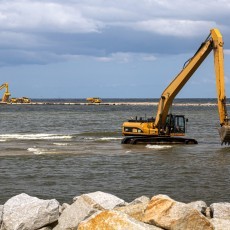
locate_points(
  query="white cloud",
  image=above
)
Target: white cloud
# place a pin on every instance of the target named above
(44, 16)
(181, 28)
(164, 17)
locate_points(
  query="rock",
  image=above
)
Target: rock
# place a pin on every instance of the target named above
(141, 199)
(167, 213)
(63, 207)
(25, 212)
(200, 206)
(136, 208)
(111, 219)
(75, 213)
(220, 210)
(104, 200)
(220, 224)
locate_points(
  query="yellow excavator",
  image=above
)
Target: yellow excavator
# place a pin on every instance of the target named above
(6, 95)
(168, 128)
(94, 100)
(20, 100)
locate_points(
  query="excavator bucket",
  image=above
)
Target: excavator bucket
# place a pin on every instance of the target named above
(224, 132)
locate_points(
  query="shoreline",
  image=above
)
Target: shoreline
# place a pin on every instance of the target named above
(111, 104)
(100, 210)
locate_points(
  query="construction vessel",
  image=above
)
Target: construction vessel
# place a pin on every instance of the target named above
(168, 128)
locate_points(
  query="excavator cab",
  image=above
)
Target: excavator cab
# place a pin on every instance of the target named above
(175, 125)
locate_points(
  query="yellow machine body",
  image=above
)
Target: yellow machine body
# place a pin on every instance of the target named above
(94, 100)
(21, 100)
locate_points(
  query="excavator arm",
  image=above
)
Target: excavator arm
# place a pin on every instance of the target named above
(224, 130)
(6, 95)
(177, 84)
(219, 70)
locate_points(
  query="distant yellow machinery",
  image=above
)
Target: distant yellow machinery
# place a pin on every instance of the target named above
(6, 95)
(20, 100)
(166, 128)
(94, 100)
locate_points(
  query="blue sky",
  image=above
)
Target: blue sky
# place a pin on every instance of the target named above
(108, 48)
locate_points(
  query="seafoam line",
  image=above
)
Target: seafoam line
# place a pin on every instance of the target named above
(42, 136)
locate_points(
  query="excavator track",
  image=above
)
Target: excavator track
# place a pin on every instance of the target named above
(224, 132)
(157, 140)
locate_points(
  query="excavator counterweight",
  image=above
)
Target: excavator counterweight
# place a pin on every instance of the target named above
(168, 128)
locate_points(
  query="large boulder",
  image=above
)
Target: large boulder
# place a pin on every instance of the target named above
(75, 213)
(220, 210)
(102, 199)
(111, 219)
(25, 212)
(167, 213)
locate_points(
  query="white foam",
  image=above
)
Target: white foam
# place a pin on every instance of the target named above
(41, 136)
(61, 144)
(110, 138)
(36, 151)
(158, 146)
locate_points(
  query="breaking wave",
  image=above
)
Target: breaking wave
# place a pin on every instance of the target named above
(36, 151)
(102, 138)
(110, 138)
(39, 151)
(41, 136)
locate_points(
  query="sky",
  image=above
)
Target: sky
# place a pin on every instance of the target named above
(108, 48)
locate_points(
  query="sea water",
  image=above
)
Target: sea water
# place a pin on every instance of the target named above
(64, 150)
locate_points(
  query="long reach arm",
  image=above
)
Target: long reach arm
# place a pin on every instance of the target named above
(6, 95)
(213, 42)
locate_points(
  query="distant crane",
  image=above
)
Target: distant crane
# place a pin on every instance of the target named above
(6, 95)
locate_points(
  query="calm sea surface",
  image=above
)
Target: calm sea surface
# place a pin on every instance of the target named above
(60, 151)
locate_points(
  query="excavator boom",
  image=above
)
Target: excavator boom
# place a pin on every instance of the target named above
(6, 95)
(180, 80)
